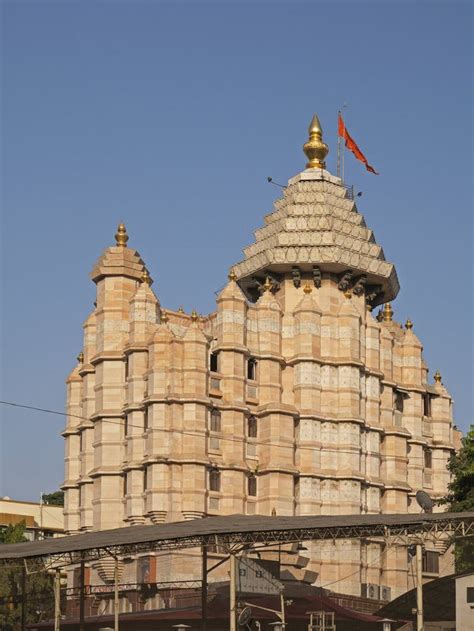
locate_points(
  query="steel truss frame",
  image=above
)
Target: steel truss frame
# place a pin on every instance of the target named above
(440, 529)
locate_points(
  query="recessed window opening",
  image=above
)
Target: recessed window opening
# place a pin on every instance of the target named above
(145, 479)
(428, 457)
(125, 485)
(426, 405)
(215, 420)
(399, 400)
(252, 429)
(125, 425)
(252, 486)
(214, 361)
(214, 480)
(145, 418)
(252, 369)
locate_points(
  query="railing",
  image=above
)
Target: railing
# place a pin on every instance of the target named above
(349, 191)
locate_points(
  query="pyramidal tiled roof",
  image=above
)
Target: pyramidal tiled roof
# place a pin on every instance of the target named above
(316, 224)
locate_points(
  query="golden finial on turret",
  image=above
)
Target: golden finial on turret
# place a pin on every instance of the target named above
(80, 357)
(164, 317)
(121, 236)
(146, 278)
(437, 377)
(267, 285)
(307, 288)
(387, 312)
(180, 309)
(194, 315)
(408, 324)
(315, 149)
(232, 275)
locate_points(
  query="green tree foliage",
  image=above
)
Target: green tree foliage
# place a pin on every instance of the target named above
(461, 496)
(54, 499)
(39, 587)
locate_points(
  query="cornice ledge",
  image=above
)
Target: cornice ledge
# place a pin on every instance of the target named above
(107, 355)
(276, 408)
(100, 414)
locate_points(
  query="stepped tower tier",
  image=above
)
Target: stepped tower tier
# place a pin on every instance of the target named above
(316, 231)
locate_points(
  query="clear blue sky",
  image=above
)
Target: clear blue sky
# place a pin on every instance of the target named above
(170, 116)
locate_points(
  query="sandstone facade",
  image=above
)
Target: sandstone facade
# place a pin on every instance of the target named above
(291, 398)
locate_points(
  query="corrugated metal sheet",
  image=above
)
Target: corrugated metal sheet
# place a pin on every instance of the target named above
(215, 526)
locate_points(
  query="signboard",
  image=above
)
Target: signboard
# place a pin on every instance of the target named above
(253, 578)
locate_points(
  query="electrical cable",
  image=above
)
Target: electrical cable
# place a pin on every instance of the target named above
(200, 435)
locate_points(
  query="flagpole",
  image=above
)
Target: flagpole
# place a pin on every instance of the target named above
(338, 148)
(344, 108)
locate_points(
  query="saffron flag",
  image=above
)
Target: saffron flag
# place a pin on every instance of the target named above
(351, 144)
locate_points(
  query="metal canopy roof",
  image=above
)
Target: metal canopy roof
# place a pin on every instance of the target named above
(236, 530)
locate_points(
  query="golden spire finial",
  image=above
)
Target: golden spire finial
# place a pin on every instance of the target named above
(408, 324)
(164, 317)
(80, 357)
(307, 288)
(437, 377)
(194, 315)
(146, 278)
(315, 149)
(267, 285)
(387, 312)
(180, 309)
(121, 236)
(232, 275)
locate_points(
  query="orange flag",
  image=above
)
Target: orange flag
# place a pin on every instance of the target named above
(351, 144)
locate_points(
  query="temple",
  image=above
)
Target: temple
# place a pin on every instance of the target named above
(292, 398)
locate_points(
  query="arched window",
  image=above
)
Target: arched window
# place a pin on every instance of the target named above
(252, 369)
(252, 427)
(214, 361)
(214, 480)
(252, 486)
(215, 424)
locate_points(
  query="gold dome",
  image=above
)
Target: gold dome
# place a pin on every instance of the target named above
(315, 149)
(307, 288)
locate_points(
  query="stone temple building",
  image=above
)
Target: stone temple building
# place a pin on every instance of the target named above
(292, 398)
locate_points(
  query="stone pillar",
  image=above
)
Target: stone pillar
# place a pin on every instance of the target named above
(195, 416)
(144, 315)
(72, 451)
(165, 357)
(87, 425)
(117, 274)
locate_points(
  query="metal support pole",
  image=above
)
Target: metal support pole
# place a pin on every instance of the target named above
(82, 573)
(116, 595)
(233, 584)
(204, 589)
(283, 617)
(23, 598)
(419, 587)
(57, 600)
